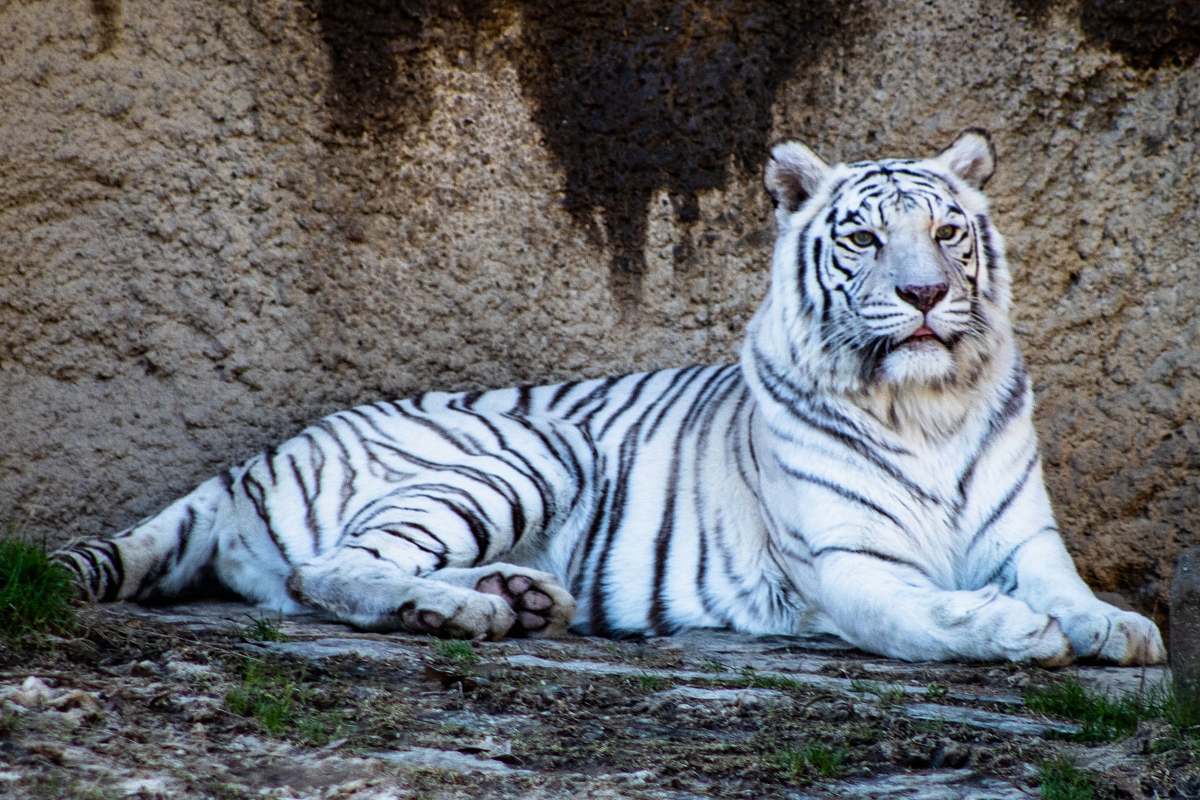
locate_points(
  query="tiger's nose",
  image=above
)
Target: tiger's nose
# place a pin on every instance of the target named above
(923, 297)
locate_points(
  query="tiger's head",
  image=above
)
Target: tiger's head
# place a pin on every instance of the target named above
(888, 275)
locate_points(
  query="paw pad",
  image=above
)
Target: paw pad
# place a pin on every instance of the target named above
(532, 605)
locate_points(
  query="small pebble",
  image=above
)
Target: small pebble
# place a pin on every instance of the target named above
(34, 693)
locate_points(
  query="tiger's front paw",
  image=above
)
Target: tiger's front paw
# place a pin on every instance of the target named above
(1046, 646)
(1110, 634)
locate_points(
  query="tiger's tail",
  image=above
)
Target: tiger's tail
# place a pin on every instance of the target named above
(161, 556)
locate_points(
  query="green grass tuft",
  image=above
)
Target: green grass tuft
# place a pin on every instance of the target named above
(277, 699)
(936, 691)
(1062, 780)
(888, 695)
(652, 683)
(36, 595)
(456, 650)
(754, 679)
(1102, 717)
(264, 629)
(810, 762)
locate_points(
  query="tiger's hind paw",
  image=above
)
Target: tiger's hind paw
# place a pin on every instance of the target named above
(542, 606)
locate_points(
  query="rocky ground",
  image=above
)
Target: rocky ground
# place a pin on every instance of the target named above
(208, 700)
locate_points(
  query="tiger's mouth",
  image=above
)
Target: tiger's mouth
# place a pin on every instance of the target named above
(923, 336)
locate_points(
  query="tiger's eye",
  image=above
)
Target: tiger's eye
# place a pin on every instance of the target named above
(864, 238)
(945, 232)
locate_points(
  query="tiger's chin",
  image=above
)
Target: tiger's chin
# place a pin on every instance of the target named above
(920, 362)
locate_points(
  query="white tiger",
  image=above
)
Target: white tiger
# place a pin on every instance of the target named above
(869, 469)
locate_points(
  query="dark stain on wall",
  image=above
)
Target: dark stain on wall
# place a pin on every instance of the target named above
(108, 18)
(637, 96)
(1033, 9)
(632, 97)
(379, 54)
(1147, 33)
(371, 76)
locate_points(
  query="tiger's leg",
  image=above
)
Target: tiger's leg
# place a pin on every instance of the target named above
(894, 609)
(412, 560)
(1040, 572)
(380, 593)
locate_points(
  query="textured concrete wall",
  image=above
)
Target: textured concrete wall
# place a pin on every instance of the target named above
(219, 220)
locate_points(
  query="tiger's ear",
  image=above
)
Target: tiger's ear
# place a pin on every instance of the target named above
(971, 157)
(793, 173)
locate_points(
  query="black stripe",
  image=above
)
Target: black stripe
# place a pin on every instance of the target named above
(530, 472)
(1013, 402)
(561, 392)
(1004, 563)
(802, 264)
(359, 412)
(999, 510)
(478, 530)
(309, 499)
(585, 546)
(843, 492)
(439, 556)
(571, 462)
(257, 495)
(349, 474)
(629, 402)
(364, 548)
(524, 395)
(269, 459)
(95, 574)
(862, 551)
(595, 394)
(488, 479)
(836, 264)
(184, 533)
(424, 489)
(657, 615)
(818, 407)
(626, 456)
(668, 399)
(151, 578)
(435, 428)
(851, 442)
(989, 252)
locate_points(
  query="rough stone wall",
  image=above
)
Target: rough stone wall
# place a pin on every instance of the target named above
(219, 220)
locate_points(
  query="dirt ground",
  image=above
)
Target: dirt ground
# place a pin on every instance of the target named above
(210, 700)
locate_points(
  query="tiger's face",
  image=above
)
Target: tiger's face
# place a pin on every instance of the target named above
(886, 272)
